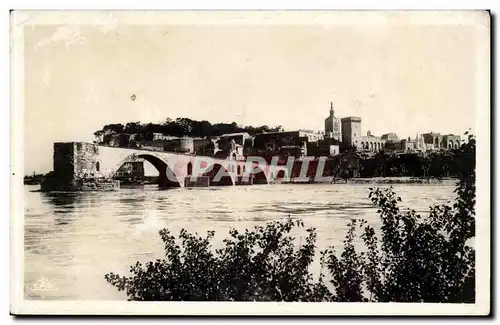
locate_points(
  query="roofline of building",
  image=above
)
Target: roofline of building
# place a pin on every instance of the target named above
(233, 134)
(277, 132)
(351, 118)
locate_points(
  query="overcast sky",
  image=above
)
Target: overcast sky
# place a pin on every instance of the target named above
(406, 79)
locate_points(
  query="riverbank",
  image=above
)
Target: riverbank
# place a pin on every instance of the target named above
(377, 180)
(397, 180)
(114, 185)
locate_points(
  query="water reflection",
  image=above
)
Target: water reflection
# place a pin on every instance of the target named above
(63, 205)
(132, 198)
(64, 200)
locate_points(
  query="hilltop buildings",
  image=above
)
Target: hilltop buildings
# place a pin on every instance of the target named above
(344, 133)
(352, 136)
(438, 141)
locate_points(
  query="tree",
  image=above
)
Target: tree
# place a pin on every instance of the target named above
(183, 127)
(113, 128)
(98, 135)
(132, 128)
(261, 264)
(417, 259)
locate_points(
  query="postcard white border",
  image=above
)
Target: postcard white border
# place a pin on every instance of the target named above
(479, 19)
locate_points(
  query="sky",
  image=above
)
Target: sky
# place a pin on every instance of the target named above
(406, 79)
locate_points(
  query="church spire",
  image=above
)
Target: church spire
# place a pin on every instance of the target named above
(331, 109)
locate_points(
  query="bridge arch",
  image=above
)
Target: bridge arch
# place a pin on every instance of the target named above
(222, 179)
(166, 175)
(281, 174)
(260, 177)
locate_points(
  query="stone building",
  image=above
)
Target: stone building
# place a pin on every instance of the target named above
(76, 168)
(188, 145)
(406, 145)
(437, 141)
(429, 146)
(419, 143)
(67, 153)
(159, 136)
(434, 140)
(156, 145)
(239, 138)
(352, 136)
(416, 144)
(182, 145)
(451, 141)
(351, 130)
(333, 150)
(204, 147)
(390, 137)
(233, 145)
(63, 160)
(333, 127)
(326, 147)
(312, 136)
(293, 142)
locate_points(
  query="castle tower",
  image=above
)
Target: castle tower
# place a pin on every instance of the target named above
(351, 130)
(332, 125)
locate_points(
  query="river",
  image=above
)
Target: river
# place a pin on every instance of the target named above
(72, 239)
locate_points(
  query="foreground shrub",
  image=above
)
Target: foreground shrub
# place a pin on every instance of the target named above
(261, 264)
(415, 259)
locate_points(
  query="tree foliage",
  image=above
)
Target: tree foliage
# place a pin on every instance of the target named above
(180, 127)
(435, 164)
(411, 258)
(261, 264)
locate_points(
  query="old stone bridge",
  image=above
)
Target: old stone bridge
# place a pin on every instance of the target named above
(86, 160)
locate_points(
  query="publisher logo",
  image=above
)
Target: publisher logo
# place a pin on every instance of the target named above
(42, 285)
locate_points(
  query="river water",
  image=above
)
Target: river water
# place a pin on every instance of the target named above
(72, 239)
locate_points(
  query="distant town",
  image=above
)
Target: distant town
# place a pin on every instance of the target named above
(202, 138)
(349, 152)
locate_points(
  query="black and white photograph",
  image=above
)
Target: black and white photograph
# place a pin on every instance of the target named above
(251, 162)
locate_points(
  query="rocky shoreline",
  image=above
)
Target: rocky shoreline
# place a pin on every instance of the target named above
(79, 185)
